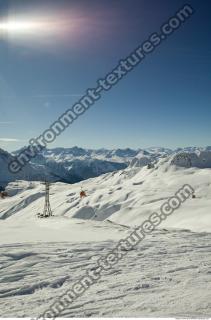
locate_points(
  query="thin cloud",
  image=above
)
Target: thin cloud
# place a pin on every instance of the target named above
(45, 96)
(40, 96)
(6, 122)
(9, 140)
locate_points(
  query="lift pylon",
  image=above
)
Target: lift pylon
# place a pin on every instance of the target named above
(47, 212)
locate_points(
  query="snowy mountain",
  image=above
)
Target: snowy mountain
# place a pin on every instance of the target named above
(198, 159)
(79, 169)
(74, 158)
(30, 172)
(125, 196)
(43, 258)
(115, 155)
(52, 168)
(75, 164)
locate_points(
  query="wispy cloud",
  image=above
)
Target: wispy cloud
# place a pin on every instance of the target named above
(6, 122)
(73, 95)
(9, 140)
(44, 96)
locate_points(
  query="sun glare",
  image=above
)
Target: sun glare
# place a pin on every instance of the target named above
(19, 26)
(40, 30)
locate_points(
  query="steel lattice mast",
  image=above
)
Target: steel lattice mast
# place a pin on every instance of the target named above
(47, 212)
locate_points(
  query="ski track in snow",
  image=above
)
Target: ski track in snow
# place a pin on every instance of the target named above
(168, 274)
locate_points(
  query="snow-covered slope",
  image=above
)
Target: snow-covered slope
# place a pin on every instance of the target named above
(167, 275)
(124, 197)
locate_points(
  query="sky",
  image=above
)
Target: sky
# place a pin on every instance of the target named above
(164, 102)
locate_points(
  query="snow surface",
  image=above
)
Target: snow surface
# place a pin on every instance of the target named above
(168, 274)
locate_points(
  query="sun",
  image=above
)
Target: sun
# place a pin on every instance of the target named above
(39, 29)
(15, 26)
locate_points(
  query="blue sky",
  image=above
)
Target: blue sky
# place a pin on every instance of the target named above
(164, 102)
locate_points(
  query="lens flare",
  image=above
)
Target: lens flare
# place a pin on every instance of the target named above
(19, 26)
(41, 30)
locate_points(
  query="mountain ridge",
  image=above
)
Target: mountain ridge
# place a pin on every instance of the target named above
(72, 165)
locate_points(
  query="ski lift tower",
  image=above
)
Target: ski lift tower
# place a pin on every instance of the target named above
(47, 212)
